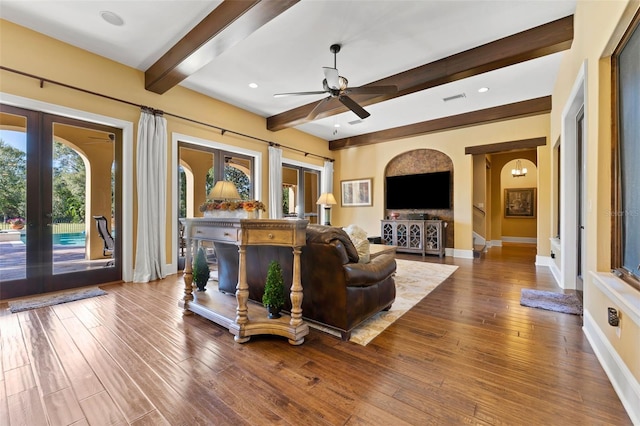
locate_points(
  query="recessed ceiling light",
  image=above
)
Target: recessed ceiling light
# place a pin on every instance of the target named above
(253, 85)
(112, 18)
(336, 125)
(483, 89)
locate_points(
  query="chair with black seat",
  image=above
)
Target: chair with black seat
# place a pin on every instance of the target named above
(103, 231)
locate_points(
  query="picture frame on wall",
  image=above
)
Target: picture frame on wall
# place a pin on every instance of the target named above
(356, 193)
(520, 203)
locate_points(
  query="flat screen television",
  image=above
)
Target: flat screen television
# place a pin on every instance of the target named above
(419, 191)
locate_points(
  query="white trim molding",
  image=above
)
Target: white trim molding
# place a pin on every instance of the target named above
(495, 243)
(544, 261)
(459, 253)
(525, 240)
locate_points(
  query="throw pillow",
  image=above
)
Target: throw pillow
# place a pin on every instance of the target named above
(359, 239)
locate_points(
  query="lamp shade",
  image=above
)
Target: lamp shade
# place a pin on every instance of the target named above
(326, 198)
(224, 190)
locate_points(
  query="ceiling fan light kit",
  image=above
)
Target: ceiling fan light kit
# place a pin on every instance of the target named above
(337, 86)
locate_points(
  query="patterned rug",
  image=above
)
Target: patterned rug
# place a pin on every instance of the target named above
(557, 302)
(53, 299)
(414, 280)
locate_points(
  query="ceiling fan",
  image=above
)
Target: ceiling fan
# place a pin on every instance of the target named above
(337, 87)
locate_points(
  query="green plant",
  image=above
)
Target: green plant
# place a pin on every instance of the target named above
(274, 287)
(200, 270)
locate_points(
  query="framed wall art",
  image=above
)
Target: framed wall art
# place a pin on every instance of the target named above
(520, 203)
(356, 193)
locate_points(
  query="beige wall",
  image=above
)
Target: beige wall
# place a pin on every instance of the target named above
(598, 28)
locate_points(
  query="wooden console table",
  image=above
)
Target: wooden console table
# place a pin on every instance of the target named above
(242, 319)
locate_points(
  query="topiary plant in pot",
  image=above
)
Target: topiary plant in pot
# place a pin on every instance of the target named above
(200, 270)
(273, 298)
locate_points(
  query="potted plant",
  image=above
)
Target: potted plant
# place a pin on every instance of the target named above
(200, 270)
(273, 297)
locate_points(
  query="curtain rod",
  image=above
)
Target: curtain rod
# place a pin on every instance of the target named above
(221, 129)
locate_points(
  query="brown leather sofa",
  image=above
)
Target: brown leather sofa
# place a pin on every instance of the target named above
(338, 292)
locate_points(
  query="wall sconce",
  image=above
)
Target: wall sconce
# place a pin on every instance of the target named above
(224, 190)
(328, 200)
(519, 171)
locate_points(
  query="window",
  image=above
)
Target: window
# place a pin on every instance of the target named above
(200, 167)
(626, 151)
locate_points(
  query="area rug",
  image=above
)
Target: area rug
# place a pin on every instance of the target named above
(557, 302)
(414, 280)
(54, 299)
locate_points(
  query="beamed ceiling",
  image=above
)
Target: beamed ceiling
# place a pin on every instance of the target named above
(430, 50)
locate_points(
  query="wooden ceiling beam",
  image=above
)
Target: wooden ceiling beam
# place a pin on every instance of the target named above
(504, 112)
(536, 42)
(229, 23)
(518, 145)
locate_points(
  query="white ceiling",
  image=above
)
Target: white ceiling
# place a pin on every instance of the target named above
(379, 38)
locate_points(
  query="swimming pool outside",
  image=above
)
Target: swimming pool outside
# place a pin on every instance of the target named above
(73, 239)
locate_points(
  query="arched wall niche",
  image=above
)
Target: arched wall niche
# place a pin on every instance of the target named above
(423, 161)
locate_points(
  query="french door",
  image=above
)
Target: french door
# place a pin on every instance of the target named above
(57, 174)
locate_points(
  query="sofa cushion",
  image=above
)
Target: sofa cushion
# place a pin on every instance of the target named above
(327, 234)
(359, 239)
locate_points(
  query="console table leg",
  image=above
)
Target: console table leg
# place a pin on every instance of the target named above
(296, 291)
(242, 290)
(188, 280)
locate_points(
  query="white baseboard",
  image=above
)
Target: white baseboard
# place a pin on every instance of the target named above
(621, 378)
(495, 243)
(462, 254)
(544, 261)
(556, 273)
(528, 240)
(479, 239)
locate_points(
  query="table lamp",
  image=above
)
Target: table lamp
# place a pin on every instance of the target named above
(224, 190)
(328, 200)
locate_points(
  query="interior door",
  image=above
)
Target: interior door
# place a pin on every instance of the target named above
(63, 172)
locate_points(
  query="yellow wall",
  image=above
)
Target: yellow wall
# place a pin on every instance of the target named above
(355, 163)
(598, 28)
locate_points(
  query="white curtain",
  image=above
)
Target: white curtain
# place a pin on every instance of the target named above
(151, 185)
(327, 177)
(275, 182)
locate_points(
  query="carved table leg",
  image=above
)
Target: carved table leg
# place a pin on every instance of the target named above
(188, 274)
(296, 295)
(242, 295)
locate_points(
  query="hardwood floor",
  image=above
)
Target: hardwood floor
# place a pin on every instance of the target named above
(466, 354)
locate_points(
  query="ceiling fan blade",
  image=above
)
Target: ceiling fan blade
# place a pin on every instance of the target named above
(332, 77)
(282, 95)
(353, 106)
(316, 110)
(371, 90)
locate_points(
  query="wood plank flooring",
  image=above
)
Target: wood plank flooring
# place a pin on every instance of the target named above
(466, 354)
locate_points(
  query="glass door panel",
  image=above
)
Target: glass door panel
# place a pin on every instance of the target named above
(311, 195)
(80, 207)
(13, 197)
(82, 227)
